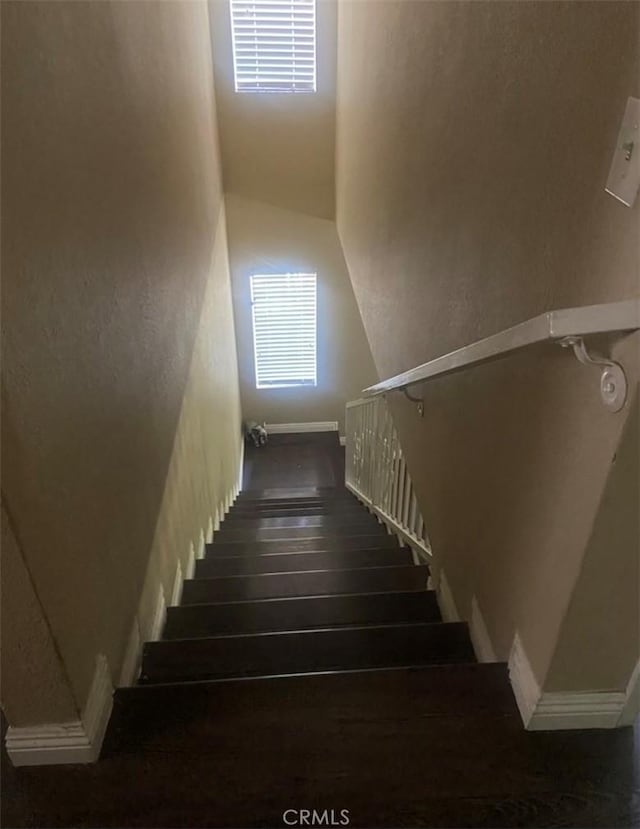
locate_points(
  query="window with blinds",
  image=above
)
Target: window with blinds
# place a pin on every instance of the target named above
(284, 329)
(274, 45)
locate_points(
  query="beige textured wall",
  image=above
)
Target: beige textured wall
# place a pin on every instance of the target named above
(265, 239)
(471, 165)
(279, 148)
(205, 463)
(111, 198)
(29, 657)
(604, 609)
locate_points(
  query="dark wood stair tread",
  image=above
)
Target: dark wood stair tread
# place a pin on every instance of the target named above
(297, 613)
(302, 582)
(287, 533)
(275, 440)
(165, 715)
(305, 583)
(331, 649)
(217, 565)
(299, 545)
(332, 521)
(264, 522)
(301, 509)
(296, 494)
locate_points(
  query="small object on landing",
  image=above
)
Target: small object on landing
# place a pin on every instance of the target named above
(256, 432)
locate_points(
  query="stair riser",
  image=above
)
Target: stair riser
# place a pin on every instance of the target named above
(256, 548)
(324, 582)
(297, 614)
(326, 650)
(215, 566)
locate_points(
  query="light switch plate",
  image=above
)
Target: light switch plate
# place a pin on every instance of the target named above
(624, 175)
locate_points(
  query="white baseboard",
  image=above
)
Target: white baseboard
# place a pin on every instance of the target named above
(178, 581)
(132, 657)
(295, 428)
(79, 741)
(525, 685)
(159, 616)
(632, 698)
(182, 575)
(210, 528)
(577, 709)
(446, 602)
(480, 638)
(556, 711)
(240, 466)
(191, 561)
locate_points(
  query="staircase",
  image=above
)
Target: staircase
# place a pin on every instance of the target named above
(299, 583)
(307, 666)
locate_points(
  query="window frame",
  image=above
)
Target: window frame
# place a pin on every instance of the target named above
(302, 382)
(308, 86)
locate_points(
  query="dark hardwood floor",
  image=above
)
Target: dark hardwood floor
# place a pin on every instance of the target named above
(392, 752)
(417, 742)
(295, 462)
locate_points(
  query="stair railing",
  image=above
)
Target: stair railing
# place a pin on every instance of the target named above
(375, 469)
(567, 327)
(376, 472)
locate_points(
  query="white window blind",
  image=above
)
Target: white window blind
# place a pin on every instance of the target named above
(284, 329)
(274, 45)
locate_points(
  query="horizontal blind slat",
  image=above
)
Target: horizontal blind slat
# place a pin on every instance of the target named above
(284, 329)
(274, 45)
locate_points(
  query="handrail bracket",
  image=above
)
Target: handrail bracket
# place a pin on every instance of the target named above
(613, 382)
(413, 399)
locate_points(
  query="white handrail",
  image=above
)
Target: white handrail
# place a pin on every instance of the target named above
(376, 472)
(567, 326)
(375, 469)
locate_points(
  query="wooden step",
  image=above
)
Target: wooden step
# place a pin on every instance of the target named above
(286, 533)
(303, 500)
(309, 651)
(329, 522)
(281, 497)
(304, 583)
(339, 510)
(284, 492)
(216, 565)
(319, 545)
(304, 439)
(396, 705)
(303, 503)
(192, 621)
